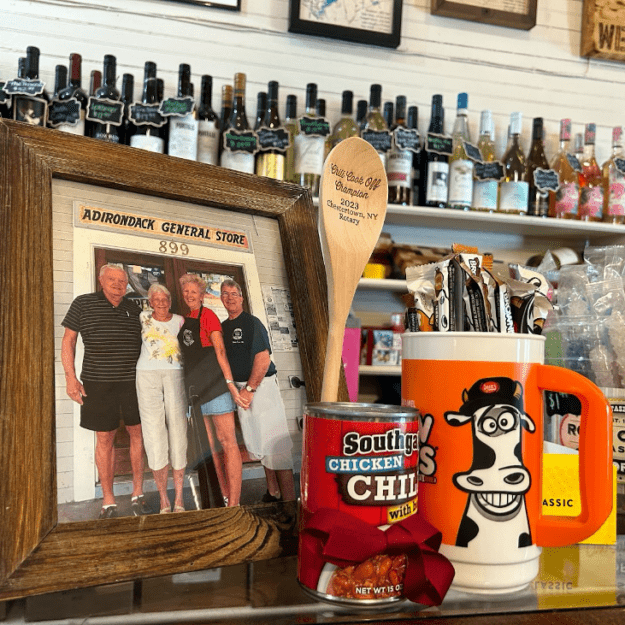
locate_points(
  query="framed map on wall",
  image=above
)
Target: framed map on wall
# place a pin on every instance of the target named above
(373, 22)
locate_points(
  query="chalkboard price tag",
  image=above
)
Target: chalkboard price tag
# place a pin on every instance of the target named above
(546, 179)
(562, 404)
(64, 112)
(407, 139)
(273, 139)
(491, 170)
(620, 164)
(146, 115)
(440, 144)
(314, 126)
(177, 107)
(105, 111)
(24, 86)
(380, 140)
(241, 141)
(5, 98)
(574, 162)
(473, 152)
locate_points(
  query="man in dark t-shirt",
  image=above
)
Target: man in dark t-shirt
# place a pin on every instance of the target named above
(263, 418)
(111, 333)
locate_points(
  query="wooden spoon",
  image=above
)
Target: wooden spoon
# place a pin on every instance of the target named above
(352, 205)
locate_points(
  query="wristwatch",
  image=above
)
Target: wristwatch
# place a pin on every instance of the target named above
(249, 389)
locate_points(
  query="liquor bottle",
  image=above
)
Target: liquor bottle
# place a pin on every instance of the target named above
(31, 109)
(309, 144)
(128, 98)
(361, 113)
(437, 163)
(60, 80)
(270, 160)
(290, 125)
(108, 94)
(579, 154)
(75, 99)
(591, 196)
(460, 165)
(208, 125)
(388, 113)
(514, 189)
(183, 131)
(614, 181)
(149, 133)
(231, 157)
(261, 109)
(375, 130)
(564, 203)
(484, 190)
(346, 126)
(399, 170)
(538, 201)
(419, 162)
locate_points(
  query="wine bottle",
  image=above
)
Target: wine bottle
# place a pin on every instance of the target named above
(538, 203)
(95, 81)
(419, 162)
(290, 125)
(437, 161)
(183, 130)
(579, 154)
(32, 107)
(128, 98)
(105, 109)
(485, 189)
(208, 125)
(591, 196)
(310, 143)
(273, 139)
(346, 126)
(160, 94)
(375, 130)
(564, 203)
(460, 165)
(361, 113)
(388, 113)
(149, 132)
(60, 80)
(70, 116)
(239, 141)
(261, 109)
(514, 188)
(5, 102)
(320, 109)
(614, 181)
(399, 170)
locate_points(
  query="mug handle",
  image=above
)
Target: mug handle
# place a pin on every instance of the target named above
(595, 460)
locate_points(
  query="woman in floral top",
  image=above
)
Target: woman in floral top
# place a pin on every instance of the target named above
(162, 399)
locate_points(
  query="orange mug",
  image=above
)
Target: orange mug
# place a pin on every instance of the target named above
(480, 398)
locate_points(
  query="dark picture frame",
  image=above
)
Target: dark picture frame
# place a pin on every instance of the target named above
(299, 24)
(229, 5)
(486, 15)
(37, 554)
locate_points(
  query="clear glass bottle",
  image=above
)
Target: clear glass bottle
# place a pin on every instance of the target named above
(107, 91)
(460, 165)
(208, 125)
(399, 169)
(538, 201)
(374, 120)
(33, 109)
(591, 196)
(183, 131)
(614, 181)
(147, 136)
(290, 125)
(271, 162)
(485, 191)
(564, 203)
(514, 188)
(309, 147)
(346, 126)
(437, 164)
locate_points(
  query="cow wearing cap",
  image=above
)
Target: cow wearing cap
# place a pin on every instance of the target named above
(495, 515)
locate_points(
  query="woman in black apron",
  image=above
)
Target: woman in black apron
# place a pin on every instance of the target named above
(208, 380)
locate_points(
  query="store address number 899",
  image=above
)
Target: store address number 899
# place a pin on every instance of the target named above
(171, 247)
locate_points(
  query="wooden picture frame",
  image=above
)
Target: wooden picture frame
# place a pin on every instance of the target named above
(603, 30)
(387, 32)
(489, 12)
(37, 555)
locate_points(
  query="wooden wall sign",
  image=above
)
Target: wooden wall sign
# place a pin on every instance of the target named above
(603, 30)
(519, 14)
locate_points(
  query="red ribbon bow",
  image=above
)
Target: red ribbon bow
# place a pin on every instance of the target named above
(336, 537)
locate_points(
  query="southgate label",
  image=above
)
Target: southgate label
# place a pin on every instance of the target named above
(89, 216)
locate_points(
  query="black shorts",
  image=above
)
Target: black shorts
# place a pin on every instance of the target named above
(107, 404)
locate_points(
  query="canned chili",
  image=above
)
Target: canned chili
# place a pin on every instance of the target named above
(359, 476)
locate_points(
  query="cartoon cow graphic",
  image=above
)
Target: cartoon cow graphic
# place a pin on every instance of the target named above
(495, 516)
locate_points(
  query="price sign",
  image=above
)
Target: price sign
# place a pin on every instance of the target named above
(574, 162)
(314, 126)
(546, 179)
(177, 107)
(105, 111)
(24, 86)
(146, 115)
(492, 170)
(407, 139)
(273, 139)
(440, 144)
(64, 112)
(241, 141)
(473, 152)
(380, 140)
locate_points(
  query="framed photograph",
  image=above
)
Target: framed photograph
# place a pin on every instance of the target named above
(52, 185)
(603, 23)
(231, 5)
(519, 14)
(373, 22)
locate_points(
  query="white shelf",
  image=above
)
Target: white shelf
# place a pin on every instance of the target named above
(379, 370)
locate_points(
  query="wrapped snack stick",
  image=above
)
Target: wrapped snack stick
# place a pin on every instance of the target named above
(475, 301)
(420, 281)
